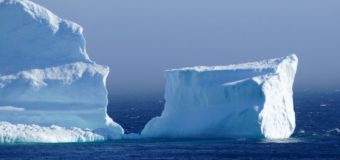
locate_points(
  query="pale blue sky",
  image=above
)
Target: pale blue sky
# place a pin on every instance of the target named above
(139, 39)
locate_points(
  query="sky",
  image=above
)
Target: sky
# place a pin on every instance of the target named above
(138, 39)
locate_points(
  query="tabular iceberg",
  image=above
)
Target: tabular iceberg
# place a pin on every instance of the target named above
(47, 78)
(251, 100)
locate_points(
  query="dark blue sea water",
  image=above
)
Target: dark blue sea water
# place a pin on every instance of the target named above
(317, 136)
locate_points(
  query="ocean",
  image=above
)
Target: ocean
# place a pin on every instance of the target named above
(317, 136)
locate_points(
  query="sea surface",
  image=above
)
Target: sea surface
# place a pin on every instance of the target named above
(317, 136)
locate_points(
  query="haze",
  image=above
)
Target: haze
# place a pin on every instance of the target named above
(139, 39)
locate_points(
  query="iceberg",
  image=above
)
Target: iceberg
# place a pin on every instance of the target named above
(47, 79)
(251, 100)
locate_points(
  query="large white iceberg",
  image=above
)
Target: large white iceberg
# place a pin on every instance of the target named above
(251, 100)
(47, 78)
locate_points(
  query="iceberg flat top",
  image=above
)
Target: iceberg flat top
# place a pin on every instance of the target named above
(259, 65)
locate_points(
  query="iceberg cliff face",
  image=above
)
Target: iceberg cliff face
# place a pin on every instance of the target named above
(46, 76)
(251, 100)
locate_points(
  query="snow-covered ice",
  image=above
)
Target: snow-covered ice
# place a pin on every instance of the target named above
(20, 133)
(47, 78)
(251, 100)
(51, 91)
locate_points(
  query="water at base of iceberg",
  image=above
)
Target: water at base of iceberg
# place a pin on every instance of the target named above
(317, 136)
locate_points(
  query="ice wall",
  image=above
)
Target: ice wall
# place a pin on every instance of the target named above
(46, 76)
(251, 100)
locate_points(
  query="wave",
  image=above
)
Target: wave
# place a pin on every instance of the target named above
(335, 131)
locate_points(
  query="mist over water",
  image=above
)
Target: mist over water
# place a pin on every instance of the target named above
(140, 39)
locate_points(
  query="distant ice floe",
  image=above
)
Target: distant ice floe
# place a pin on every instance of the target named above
(302, 132)
(11, 108)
